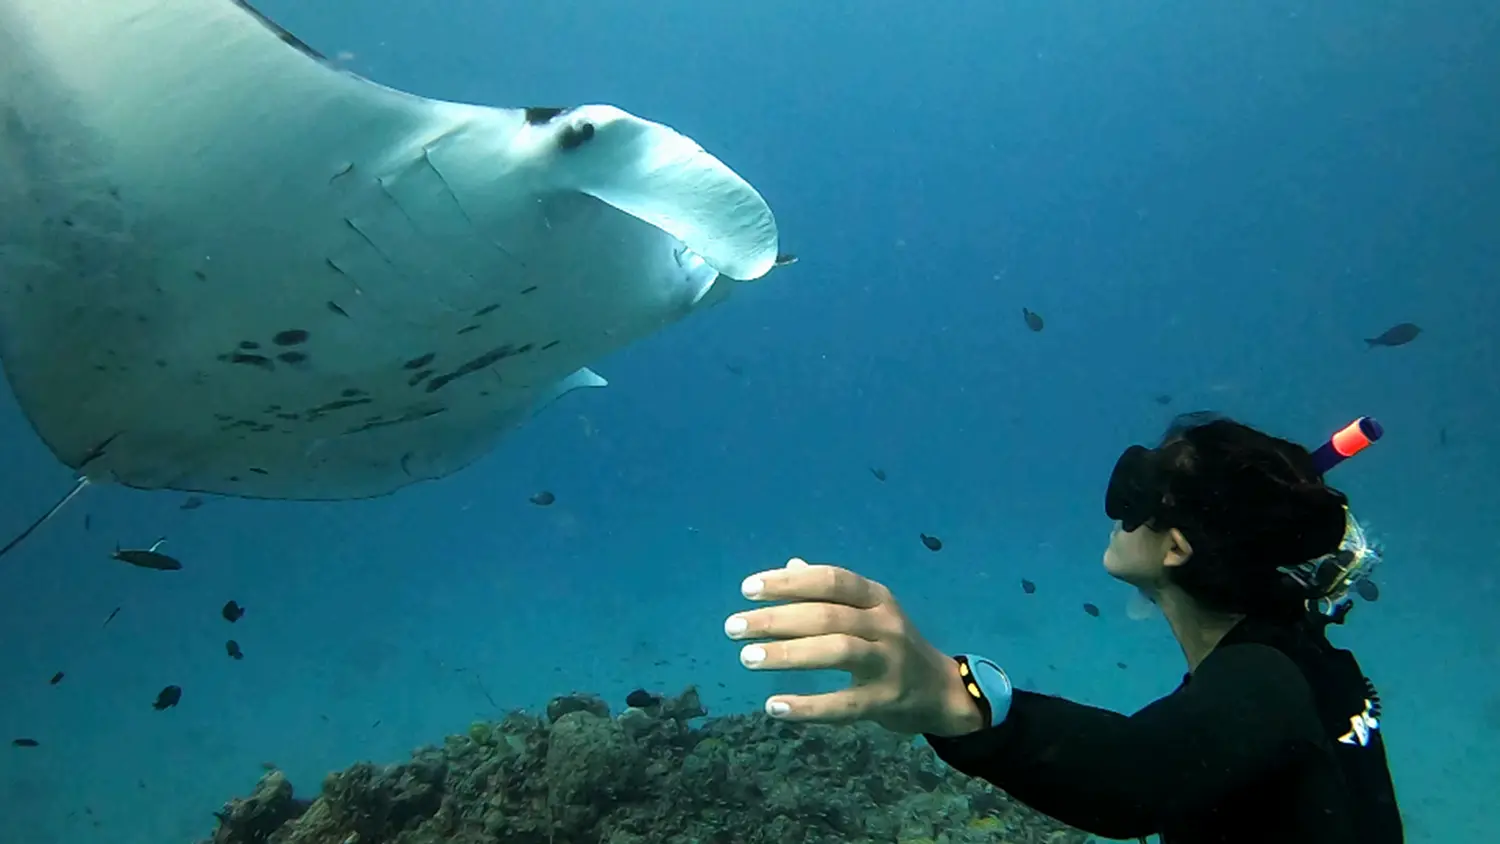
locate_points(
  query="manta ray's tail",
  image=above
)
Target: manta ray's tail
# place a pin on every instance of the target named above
(56, 508)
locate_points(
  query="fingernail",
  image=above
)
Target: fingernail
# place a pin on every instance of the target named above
(735, 626)
(752, 586)
(752, 655)
(777, 708)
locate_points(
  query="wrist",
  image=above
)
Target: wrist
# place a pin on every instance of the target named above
(961, 713)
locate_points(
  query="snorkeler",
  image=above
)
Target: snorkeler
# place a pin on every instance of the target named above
(1273, 735)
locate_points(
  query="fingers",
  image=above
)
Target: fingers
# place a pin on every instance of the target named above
(839, 707)
(802, 582)
(793, 621)
(857, 656)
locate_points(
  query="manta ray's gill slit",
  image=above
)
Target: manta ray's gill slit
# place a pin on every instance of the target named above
(367, 239)
(458, 203)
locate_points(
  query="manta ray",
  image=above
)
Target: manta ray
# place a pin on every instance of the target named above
(230, 266)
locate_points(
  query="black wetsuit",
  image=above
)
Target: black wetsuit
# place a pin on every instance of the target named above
(1247, 749)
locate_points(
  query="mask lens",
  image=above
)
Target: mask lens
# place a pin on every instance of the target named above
(1131, 498)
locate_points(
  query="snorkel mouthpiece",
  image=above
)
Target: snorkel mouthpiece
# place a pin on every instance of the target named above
(1349, 441)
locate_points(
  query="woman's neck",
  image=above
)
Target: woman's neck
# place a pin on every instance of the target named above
(1197, 630)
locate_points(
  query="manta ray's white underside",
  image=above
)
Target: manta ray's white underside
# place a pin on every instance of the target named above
(228, 266)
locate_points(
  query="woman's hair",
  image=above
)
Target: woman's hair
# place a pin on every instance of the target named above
(1251, 505)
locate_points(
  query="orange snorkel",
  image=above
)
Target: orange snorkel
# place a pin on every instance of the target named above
(1349, 441)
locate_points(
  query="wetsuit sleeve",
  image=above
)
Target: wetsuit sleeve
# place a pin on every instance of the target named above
(1246, 712)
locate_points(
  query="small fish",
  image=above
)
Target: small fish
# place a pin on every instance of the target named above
(1091, 610)
(543, 499)
(1396, 335)
(233, 649)
(193, 502)
(88, 520)
(148, 558)
(1163, 399)
(232, 612)
(270, 766)
(56, 678)
(785, 259)
(1367, 589)
(167, 698)
(1442, 436)
(878, 473)
(111, 617)
(1033, 319)
(932, 542)
(734, 369)
(1028, 587)
(1122, 666)
(25, 742)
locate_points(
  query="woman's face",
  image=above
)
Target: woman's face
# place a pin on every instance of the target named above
(1142, 556)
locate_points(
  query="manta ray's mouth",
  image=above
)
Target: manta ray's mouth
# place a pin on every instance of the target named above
(320, 288)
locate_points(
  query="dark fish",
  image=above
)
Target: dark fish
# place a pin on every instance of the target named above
(1163, 399)
(1033, 319)
(1122, 666)
(167, 698)
(542, 499)
(232, 612)
(193, 502)
(25, 742)
(734, 369)
(641, 699)
(1442, 436)
(1396, 335)
(56, 678)
(932, 542)
(111, 617)
(1091, 610)
(88, 520)
(878, 473)
(1367, 589)
(1028, 587)
(148, 558)
(233, 649)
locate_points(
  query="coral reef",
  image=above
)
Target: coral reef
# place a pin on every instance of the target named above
(647, 776)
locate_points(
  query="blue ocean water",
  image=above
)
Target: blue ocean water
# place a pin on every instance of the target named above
(1205, 202)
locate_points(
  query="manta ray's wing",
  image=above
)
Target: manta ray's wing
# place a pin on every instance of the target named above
(228, 266)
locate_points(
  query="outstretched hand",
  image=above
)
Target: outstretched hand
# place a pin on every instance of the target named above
(843, 621)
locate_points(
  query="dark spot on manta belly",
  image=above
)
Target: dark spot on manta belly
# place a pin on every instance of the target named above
(574, 137)
(290, 337)
(484, 361)
(260, 361)
(419, 362)
(537, 115)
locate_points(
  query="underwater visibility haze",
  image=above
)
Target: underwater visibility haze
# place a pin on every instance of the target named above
(319, 538)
